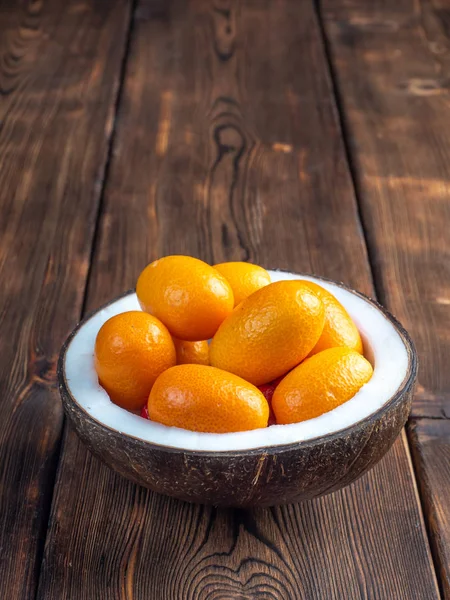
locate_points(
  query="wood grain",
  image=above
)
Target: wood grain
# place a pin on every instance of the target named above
(392, 64)
(430, 445)
(59, 67)
(120, 541)
(228, 147)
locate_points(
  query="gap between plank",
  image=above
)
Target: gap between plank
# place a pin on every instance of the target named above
(103, 177)
(110, 145)
(375, 272)
(343, 128)
(415, 467)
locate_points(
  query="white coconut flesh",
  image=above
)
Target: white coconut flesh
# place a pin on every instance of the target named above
(383, 346)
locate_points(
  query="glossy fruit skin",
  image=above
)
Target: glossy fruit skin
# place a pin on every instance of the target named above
(144, 412)
(202, 398)
(269, 333)
(191, 353)
(244, 278)
(339, 328)
(189, 296)
(131, 350)
(319, 384)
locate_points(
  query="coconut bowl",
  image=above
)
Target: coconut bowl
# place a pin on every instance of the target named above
(276, 465)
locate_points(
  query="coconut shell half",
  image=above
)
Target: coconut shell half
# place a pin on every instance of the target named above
(276, 465)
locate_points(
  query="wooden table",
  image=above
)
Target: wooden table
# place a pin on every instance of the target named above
(311, 137)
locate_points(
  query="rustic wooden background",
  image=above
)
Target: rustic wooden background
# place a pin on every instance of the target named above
(312, 136)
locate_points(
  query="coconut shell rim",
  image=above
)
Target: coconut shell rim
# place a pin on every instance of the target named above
(403, 389)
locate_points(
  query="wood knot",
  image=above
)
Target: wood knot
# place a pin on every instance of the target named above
(44, 370)
(224, 29)
(229, 139)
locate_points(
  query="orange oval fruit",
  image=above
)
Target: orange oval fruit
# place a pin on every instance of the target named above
(339, 328)
(131, 350)
(244, 278)
(319, 384)
(187, 295)
(191, 353)
(201, 398)
(269, 333)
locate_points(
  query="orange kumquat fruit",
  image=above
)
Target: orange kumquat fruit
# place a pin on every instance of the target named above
(206, 399)
(319, 384)
(269, 333)
(131, 350)
(189, 296)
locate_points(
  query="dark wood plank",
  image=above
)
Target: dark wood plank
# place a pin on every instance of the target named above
(227, 147)
(392, 62)
(392, 66)
(59, 67)
(430, 444)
